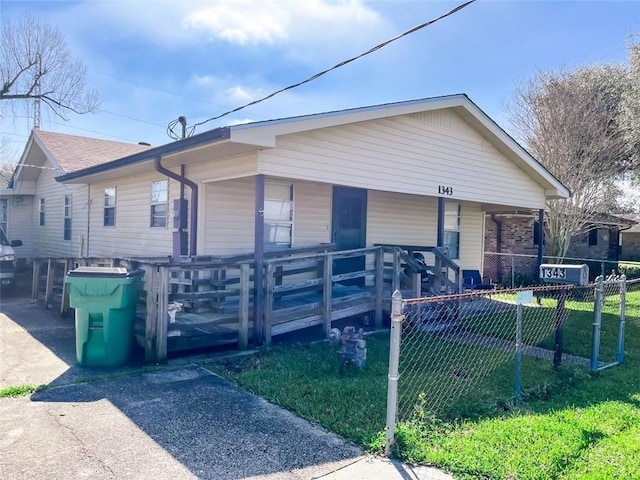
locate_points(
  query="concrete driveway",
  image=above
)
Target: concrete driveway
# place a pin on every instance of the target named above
(178, 421)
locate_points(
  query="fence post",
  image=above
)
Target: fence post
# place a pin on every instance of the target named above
(623, 313)
(513, 273)
(518, 386)
(561, 313)
(394, 362)
(597, 321)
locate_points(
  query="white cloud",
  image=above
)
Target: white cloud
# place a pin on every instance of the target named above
(241, 21)
(278, 21)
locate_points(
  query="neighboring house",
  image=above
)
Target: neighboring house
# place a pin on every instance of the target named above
(630, 240)
(51, 218)
(516, 232)
(419, 173)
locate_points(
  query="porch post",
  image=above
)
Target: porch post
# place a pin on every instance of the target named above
(440, 237)
(258, 274)
(540, 240)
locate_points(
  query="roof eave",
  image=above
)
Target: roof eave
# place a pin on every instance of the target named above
(148, 155)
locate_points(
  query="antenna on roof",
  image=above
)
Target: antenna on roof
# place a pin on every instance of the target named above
(182, 120)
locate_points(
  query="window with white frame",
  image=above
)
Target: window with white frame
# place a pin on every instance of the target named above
(452, 229)
(159, 203)
(4, 214)
(278, 215)
(109, 214)
(41, 211)
(68, 212)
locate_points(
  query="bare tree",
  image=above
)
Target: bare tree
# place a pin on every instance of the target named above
(631, 102)
(570, 122)
(8, 161)
(35, 62)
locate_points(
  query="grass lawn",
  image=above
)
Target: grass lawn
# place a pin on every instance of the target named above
(571, 424)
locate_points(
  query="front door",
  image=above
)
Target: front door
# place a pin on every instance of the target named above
(349, 225)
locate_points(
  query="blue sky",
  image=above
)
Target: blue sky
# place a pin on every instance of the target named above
(154, 60)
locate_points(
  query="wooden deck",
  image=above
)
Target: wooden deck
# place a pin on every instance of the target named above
(219, 297)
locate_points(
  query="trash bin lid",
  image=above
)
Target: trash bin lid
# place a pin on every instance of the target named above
(117, 272)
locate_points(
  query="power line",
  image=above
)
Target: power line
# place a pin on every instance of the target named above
(79, 128)
(131, 118)
(338, 65)
(141, 85)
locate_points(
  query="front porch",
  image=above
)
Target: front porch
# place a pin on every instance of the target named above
(218, 303)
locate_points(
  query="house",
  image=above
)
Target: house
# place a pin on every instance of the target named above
(420, 172)
(417, 175)
(51, 218)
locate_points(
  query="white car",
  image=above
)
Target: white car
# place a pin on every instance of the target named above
(7, 260)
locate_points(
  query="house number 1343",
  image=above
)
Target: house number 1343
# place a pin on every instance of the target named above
(445, 190)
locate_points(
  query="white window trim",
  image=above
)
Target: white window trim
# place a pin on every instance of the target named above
(458, 229)
(166, 225)
(291, 222)
(104, 206)
(66, 217)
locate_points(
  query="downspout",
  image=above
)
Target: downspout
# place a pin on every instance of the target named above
(193, 237)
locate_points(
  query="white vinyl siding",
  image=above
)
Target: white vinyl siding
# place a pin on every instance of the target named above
(229, 226)
(406, 154)
(312, 214)
(395, 218)
(230, 204)
(399, 219)
(132, 235)
(471, 236)
(48, 239)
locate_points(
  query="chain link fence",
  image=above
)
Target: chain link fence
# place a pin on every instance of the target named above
(458, 356)
(509, 270)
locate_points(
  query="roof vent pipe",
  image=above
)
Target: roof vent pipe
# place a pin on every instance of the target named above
(193, 227)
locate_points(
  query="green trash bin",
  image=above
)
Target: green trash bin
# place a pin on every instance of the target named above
(105, 301)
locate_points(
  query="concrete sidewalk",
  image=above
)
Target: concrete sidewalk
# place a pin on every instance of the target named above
(176, 421)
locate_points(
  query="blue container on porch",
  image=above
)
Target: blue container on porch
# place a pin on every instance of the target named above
(105, 301)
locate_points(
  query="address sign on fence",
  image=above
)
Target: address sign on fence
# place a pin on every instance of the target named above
(559, 273)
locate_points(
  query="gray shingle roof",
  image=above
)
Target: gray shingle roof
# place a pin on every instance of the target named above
(73, 153)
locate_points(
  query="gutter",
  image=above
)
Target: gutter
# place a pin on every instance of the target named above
(193, 238)
(222, 133)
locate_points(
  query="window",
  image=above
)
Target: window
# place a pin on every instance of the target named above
(452, 228)
(110, 207)
(41, 211)
(159, 203)
(3, 214)
(593, 237)
(68, 209)
(278, 215)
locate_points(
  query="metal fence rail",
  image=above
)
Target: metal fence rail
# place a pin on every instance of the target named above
(509, 270)
(453, 355)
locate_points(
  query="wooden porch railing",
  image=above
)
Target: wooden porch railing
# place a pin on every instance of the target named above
(217, 294)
